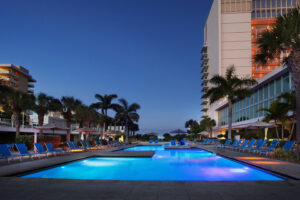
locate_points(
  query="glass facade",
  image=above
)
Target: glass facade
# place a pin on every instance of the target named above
(271, 8)
(262, 97)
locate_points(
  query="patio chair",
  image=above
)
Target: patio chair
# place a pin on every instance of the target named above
(156, 141)
(235, 144)
(250, 145)
(242, 146)
(182, 142)
(50, 149)
(24, 151)
(259, 145)
(98, 144)
(40, 149)
(227, 143)
(71, 145)
(90, 146)
(270, 149)
(150, 141)
(288, 145)
(231, 145)
(173, 142)
(6, 154)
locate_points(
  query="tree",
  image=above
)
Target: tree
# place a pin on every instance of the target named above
(207, 124)
(43, 105)
(127, 113)
(69, 106)
(231, 87)
(278, 113)
(190, 124)
(18, 102)
(285, 35)
(104, 104)
(289, 103)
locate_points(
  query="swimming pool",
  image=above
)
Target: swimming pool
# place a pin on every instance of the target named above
(165, 165)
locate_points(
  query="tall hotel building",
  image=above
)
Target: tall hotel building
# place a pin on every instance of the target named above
(16, 77)
(230, 33)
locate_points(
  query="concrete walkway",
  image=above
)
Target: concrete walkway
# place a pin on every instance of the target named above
(292, 169)
(61, 189)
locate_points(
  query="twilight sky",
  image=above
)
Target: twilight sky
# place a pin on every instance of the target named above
(146, 51)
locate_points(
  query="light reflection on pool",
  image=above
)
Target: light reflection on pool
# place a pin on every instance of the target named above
(165, 165)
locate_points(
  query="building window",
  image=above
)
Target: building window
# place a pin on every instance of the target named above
(286, 83)
(253, 5)
(257, 4)
(278, 3)
(283, 3)
(273, 13)
(263, 4)
(272, 90)
(266, 92)
(268, 4)
(278, 87)
(268, 13)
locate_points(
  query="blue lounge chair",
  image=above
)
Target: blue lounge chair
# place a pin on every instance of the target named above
(227, 143)
(270, 149)
(249, 146)
(71, 145)
(86, 146)
(24, 151)
(259, 145)
(288, 145)
(232, 145)
(156, 141)
(40, 149)
(90, 146)
(11, 147)
(237, 144)
(173, 142)
(204, 141)
(182, 142)
(5, 153)
(242, 146)
(50, 149)
(98, 144)
(150, 141)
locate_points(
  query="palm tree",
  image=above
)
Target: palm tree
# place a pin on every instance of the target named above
(69, 105)
(105, 104)
(18, 102)
(289, 102)
(285, 35)
(190, 124)
(43, 105)
(127, 113)
(231, 87)
(277, 112)
(207, 124)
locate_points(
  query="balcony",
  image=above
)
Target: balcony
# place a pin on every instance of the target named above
(30, 85)
(204, 102)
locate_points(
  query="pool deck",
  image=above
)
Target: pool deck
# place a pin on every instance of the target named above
(288, 168)
(35, 188)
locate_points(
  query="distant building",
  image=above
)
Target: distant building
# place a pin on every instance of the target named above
(17, 77)
(230, 33)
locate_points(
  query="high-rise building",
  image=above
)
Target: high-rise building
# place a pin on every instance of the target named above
(230, 34)
(17, 77)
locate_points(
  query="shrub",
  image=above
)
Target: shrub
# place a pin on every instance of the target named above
(26, 139)
(286, 155)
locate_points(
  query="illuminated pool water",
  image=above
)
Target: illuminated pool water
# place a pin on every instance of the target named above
(165, 165)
